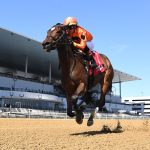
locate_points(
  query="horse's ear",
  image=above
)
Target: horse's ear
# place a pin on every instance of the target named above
(64, 27)
(57, 24)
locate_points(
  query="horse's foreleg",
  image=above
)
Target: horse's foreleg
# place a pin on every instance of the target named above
(79, 91)
(79, 114)
(69, 107)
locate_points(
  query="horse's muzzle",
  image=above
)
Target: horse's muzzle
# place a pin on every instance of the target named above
(48, 47)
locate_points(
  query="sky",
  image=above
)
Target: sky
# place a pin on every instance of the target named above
(121, 30)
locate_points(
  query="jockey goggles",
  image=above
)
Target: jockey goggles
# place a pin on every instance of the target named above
(72, 27)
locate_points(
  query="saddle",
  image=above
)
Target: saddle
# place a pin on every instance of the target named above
(91, 70)
(99, 64)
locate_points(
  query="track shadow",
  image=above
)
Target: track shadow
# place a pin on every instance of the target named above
(92, 133)
(103, 131)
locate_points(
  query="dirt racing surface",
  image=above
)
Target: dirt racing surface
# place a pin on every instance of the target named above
(46, 134)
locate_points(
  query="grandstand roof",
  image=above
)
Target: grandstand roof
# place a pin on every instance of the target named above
(13, 51)
(14, 48)
(120, 76)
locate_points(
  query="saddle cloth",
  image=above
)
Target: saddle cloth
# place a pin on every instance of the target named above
(99, 62)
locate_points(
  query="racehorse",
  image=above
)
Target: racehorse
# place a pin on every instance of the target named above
(75, 77)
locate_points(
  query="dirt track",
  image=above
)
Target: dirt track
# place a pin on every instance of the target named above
(42, 134)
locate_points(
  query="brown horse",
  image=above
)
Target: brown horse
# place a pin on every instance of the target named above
(75, 76)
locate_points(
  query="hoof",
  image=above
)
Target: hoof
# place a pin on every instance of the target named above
(90, 122)
(79, 117)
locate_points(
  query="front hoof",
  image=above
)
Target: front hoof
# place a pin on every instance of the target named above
(90, 122)
(79, 117)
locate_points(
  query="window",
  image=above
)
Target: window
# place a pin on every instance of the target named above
(126, 100)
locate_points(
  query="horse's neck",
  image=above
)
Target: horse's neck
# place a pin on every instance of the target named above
(66, 60)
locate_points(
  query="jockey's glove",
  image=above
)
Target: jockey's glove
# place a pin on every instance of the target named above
(74, 44)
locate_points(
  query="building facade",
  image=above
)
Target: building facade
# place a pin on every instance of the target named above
(137, 101)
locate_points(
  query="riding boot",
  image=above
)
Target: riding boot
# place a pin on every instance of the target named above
(90, 58)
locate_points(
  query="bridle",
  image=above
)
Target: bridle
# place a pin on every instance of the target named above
(57, 42)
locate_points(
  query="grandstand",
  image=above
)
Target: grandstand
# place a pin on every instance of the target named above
(30, 77)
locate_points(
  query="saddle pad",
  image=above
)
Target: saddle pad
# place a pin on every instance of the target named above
(99, 62)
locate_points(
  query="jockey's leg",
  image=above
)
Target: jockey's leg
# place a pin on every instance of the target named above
(88, 53)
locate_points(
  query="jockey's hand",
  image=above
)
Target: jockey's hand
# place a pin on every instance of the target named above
(74, 44)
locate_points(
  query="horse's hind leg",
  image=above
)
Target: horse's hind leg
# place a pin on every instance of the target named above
(100, 104)
(105, 86)
(90, 120)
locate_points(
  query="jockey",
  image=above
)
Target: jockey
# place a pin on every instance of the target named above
(82, 39)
